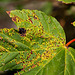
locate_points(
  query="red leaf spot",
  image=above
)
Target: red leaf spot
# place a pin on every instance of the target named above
(30, 39)
(23, 68)
(33, 65)
(28, 57)
(31, 52)
(35, 17)
(14, 19)
(31, 21)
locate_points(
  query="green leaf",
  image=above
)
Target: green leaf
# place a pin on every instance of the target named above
(40, 50)
(67, 1)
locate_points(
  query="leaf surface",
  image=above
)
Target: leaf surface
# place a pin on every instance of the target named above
(67, 1)
(40, 50)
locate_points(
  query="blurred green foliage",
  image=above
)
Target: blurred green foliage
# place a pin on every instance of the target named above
(47, 8)
(4, 0)
(8, 0)
(67, 1)
(20, 6)
(2, 12)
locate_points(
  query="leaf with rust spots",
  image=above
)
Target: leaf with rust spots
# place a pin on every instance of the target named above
(37, 47)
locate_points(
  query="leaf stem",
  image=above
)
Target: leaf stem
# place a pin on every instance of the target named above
(70, 42)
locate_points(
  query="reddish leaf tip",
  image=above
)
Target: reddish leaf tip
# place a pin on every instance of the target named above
(8, 12)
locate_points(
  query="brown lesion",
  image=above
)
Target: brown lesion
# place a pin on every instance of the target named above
(30, 20)
(22, 32)
(14, 19)
(35, 17)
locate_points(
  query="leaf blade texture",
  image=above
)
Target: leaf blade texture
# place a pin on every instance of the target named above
(40, 50)
(67, 1)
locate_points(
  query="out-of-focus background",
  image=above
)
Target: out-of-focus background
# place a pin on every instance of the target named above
(64, 13)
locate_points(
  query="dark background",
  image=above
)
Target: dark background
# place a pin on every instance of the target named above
(64, 13)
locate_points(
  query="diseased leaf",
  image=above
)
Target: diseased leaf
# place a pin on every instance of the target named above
(67, 1)
(39, 49)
